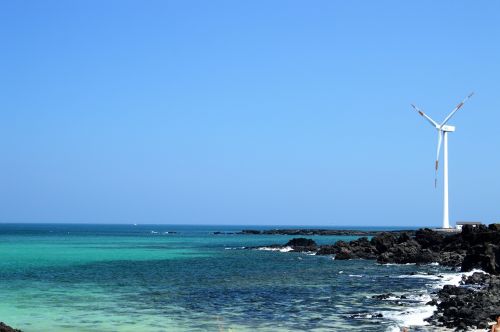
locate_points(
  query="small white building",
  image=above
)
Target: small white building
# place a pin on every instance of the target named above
(461, 224)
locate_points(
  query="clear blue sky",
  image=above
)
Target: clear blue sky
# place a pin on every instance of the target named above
(246, 112)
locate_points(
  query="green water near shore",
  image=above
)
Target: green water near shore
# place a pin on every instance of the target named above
(126, 278)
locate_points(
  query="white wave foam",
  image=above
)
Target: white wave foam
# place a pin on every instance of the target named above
(397, 264)
(415, 316)
(424, 298)
(419, 276)
(284, 249)
(455, 278)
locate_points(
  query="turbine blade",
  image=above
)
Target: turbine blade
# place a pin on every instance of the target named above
(428, 118)
(440, 140)
(459, 106)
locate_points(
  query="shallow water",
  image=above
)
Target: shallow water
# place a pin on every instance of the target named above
(141, 278)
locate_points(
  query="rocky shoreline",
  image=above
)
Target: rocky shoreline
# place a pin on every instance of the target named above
(6, 328)
(472, 304)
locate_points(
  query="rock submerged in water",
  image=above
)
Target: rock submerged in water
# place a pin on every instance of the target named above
(383, 296)
(300, 244)
(6, 328)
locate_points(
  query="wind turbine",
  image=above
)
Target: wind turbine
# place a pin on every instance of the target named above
(443, 129)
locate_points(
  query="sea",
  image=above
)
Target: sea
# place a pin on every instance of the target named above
(85, 277)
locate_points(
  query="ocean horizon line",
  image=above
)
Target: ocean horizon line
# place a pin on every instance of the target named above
(303, 226)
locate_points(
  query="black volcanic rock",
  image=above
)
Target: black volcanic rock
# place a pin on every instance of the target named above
(297, 245)
(485, 257)
(360, 248)
(475, 247)
(401, 253)
(450, 258)
(301, 242)
(384, 241)
(383, 296)
(494, 227)
(7, 328)
(463, 307)
(429, 239)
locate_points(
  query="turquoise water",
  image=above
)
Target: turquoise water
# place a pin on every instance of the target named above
(146, 278)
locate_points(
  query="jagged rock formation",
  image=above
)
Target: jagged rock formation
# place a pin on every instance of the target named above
(7, 328)
(425, 247)
(468, 307)
(302, 244)
(475, 247)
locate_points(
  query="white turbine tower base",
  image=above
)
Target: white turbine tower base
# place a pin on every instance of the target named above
(446, 214)
(443, 131)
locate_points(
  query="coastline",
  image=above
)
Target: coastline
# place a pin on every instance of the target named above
(464, 300)
(313, 292)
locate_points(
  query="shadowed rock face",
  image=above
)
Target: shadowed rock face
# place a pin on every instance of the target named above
(384, 242)
(7, 328)
(483, 251)
(429, 239)
(494, 227)
(302, 244)
(485, 257)
(360, 248)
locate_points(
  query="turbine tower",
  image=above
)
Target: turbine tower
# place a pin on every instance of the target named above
(443, 129)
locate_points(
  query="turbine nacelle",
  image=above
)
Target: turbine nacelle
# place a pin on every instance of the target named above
(446, 128)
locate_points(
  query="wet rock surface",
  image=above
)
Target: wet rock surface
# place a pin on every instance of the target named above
(471, 305)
